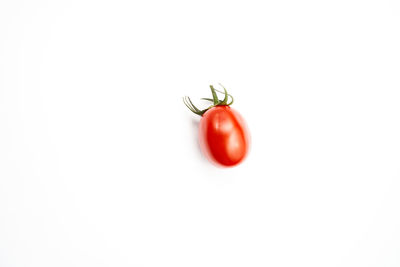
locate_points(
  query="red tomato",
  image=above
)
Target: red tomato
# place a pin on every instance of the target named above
(223, 136)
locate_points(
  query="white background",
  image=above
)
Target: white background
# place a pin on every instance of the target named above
(99, 161)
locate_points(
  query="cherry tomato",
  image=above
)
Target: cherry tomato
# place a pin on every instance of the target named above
(223, 135)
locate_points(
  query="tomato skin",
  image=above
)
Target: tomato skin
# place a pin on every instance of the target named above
(223, 136)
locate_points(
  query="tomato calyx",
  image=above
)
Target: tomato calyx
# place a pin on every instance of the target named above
(215, 100)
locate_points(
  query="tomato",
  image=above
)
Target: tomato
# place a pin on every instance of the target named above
(223, 135)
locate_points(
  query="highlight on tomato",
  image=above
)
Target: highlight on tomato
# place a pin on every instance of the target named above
(223, 135)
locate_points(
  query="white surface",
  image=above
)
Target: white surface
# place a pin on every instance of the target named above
(99, 164)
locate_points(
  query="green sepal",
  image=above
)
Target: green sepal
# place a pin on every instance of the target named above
(214, 95)
(214, 100)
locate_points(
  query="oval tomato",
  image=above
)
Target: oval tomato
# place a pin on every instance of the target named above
(223, 135)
